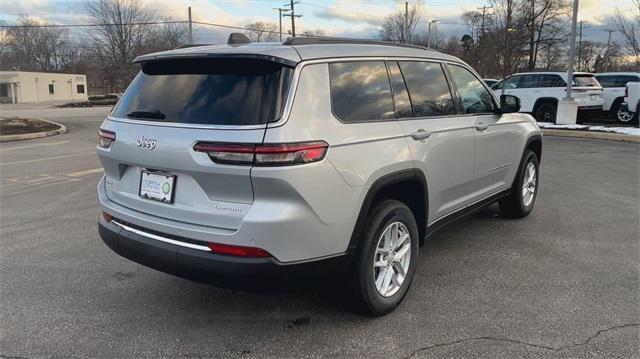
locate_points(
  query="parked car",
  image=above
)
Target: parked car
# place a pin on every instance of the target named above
(614, 85)
(539, 92)
(490, 82)
(232, 163)
(632, 101)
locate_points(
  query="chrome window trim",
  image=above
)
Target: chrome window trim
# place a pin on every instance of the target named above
(160, 238)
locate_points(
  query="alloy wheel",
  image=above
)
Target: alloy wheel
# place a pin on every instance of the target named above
(624, 116)
(391, 259)
(529, 184)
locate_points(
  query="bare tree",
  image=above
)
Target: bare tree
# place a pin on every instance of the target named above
(400, 28)
(169, 35)
(36, 46)
(551, 54)
(261, 31)
(122, 32)
(508, 36)
(629, 27)
(545, 20)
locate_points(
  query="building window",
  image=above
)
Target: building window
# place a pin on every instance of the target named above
(80, 88)
(51, 92)
(4, 90)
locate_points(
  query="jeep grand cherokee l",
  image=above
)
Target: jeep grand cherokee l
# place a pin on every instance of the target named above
(251, 160)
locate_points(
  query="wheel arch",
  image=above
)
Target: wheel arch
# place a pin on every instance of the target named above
(408, 186)
(543, 100)
(534, 143)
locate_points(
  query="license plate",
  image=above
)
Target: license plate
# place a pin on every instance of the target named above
(157, 186)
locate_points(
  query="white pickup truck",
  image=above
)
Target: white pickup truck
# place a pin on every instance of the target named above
(632, 100)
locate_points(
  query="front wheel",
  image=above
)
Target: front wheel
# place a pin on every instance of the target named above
(524, 190)
(386, 258)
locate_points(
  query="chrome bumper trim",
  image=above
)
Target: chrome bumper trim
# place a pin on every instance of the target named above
(160, 238)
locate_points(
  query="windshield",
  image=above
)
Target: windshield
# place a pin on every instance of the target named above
(221, 91)
(585, 80)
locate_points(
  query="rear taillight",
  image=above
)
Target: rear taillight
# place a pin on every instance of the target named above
(106, 137)
(626, 91)
(238, 251)
(281, 154)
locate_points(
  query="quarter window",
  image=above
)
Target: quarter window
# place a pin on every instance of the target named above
(428, 88)
(475, 98)
(360, 91)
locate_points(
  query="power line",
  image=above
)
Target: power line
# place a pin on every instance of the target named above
(95, 25)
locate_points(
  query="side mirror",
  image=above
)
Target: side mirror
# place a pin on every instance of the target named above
(509, 104)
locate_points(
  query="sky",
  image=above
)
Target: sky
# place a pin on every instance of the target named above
(347, 18)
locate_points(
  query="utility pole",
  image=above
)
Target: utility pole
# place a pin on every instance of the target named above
(580, 45)
(607, 54)
(572, 50)
(190, 34)
(280, 11)
(429, 31)
(484, 11)
(405, 25)
(293, 16)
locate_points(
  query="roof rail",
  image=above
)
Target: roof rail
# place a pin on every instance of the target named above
(236, 38)
(293, 41)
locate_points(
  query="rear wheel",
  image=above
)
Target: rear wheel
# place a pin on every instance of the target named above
(621, 115)
(524, 190)
(546, 112)
(386, 258)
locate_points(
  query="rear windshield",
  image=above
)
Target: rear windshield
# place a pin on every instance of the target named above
(587, 81)
(221, 91)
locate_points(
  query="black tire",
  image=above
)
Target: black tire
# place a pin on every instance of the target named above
(367, 298)
(614, 113)
(546, 112)
(514, 205)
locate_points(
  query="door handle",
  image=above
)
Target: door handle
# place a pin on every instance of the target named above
(481, 126)
(420, 135)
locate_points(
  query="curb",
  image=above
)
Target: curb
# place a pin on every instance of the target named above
(591, 135)
(28, 136)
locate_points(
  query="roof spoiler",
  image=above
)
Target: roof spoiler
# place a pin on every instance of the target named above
(236, 38)
(186, 46)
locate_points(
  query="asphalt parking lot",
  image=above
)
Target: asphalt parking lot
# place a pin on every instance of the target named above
(563, 282)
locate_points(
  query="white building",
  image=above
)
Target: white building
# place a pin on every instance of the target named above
(20, 86)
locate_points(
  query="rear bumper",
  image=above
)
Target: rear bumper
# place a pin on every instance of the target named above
(207, 267)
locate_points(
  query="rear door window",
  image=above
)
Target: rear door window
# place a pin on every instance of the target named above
(360, 91)
(529, 81)
(549, 80)
(234, 92)
(428, 88)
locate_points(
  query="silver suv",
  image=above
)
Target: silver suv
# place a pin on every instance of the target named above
(244, 161)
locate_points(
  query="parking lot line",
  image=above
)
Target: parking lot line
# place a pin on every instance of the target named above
(35, 145)
(85, 172)
(48, 158)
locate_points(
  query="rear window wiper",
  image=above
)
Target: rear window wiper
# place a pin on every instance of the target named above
(147, 114)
